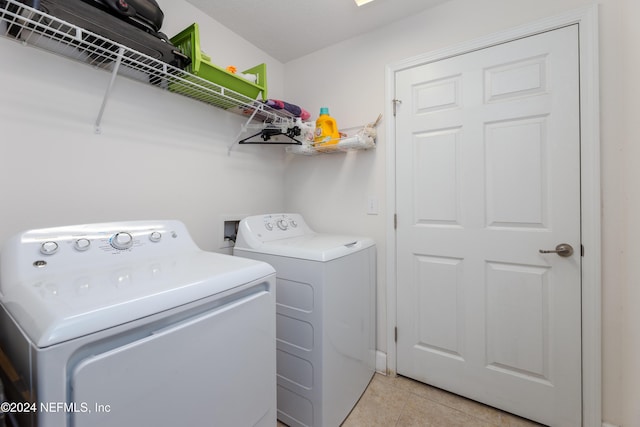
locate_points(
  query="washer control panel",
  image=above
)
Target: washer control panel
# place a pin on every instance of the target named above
(254, 230)
(284, 222)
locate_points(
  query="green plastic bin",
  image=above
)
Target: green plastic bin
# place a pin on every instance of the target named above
(188, 41)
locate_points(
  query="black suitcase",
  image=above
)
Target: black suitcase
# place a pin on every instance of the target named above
(144, 14)
(137, 34)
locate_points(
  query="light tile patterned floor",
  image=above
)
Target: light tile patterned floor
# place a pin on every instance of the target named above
(402, 402)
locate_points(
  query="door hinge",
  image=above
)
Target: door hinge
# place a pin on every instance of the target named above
(395, 221)
(395, 104)
(395, 334)
(581, 250)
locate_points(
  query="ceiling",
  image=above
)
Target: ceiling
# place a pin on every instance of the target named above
(290, 29)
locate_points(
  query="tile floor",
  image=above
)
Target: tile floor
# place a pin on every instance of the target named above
(402, 402)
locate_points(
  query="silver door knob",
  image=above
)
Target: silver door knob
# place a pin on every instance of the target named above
(563, 249)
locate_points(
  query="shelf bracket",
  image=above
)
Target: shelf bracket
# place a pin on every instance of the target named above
(243, 129)
(114, 73)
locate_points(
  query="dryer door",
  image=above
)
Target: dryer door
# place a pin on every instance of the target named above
(217, 368)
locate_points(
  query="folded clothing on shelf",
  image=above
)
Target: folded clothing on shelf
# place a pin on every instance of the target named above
(292, 108)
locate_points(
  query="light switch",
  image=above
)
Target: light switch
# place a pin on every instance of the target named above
(372, 206)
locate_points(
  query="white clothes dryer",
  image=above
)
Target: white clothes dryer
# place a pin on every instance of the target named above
(131, 324)
(325, 305)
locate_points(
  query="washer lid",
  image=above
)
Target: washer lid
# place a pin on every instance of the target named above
(288, 235)
(314, 246)
(60, 307)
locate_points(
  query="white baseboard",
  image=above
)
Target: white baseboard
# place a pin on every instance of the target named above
(381, 364)
(609, 425)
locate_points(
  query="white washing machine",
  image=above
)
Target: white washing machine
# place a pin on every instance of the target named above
(130, 324)
(325, 305)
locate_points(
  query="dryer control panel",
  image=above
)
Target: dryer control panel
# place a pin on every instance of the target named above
(59, 249)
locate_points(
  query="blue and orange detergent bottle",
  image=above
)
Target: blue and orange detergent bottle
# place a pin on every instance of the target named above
(327, 132)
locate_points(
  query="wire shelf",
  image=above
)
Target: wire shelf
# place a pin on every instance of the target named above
(36, 28)
(363, 139)
(356, 142)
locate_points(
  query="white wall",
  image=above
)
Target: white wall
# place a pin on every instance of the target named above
(164, 156)
(160, 155)
(349, 78)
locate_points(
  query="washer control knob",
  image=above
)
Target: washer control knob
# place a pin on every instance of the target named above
(49, 248)
(268, 226)
(293, 223)
(282, 224)
(155, 236)
(82, 244)
(121, 240)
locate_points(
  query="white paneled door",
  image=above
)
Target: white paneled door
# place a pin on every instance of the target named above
(488, 174)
